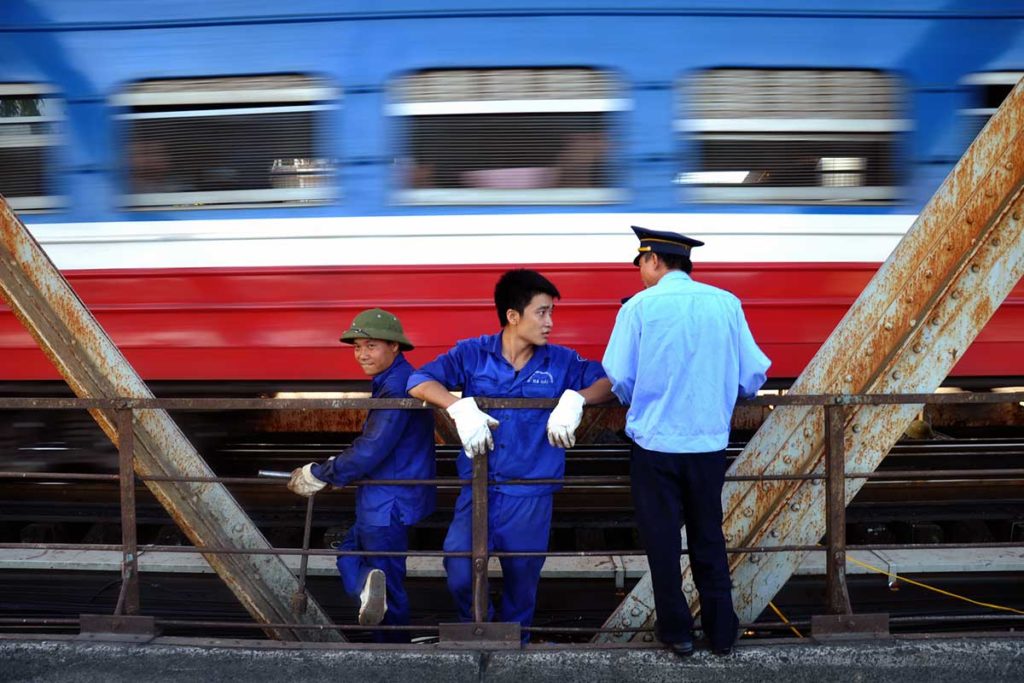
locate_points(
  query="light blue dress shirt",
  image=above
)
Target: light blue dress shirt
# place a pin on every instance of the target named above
(679, 356)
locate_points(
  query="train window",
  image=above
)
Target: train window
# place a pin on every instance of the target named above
(506, 136)
(216, 142)
(30, 120)
(989, 90)
(790, 136)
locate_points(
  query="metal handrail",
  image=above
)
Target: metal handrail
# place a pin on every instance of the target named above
(834, 477)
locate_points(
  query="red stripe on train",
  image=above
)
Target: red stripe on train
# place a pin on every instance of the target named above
(283, 323)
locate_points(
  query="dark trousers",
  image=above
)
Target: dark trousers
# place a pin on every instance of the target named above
(671, 490)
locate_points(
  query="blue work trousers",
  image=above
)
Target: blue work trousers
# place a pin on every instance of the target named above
(354, 569)
(672, 490)
(514, 523)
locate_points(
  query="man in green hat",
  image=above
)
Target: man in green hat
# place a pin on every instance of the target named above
(395, 444)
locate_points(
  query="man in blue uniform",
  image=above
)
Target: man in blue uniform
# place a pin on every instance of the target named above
(680, 354)
(395, 444)
(517, 362)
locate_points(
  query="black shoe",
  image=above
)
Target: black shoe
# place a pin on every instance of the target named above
(727, 650)
(682, 650)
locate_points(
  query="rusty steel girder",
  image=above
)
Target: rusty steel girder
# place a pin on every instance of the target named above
(905, 332)
(94, 368)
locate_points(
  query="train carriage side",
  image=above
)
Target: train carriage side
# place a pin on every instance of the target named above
(226, 191)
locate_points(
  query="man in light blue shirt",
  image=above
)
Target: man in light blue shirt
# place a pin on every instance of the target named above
(680, 355)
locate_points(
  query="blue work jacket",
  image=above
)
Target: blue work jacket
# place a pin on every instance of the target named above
(521, 448)
(395, 444)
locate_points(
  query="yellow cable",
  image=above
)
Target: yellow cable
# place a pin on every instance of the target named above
(931, 588)
(785, 620)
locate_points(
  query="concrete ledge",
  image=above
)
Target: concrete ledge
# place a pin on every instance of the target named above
(929, 660)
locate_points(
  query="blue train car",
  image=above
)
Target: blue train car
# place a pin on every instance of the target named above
(226, 183)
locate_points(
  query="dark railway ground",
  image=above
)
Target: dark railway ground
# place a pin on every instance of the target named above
(586, 518)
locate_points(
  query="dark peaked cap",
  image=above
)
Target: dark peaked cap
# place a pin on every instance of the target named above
(663, 242)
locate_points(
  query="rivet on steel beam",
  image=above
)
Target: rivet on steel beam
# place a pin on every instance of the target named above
(856, 428)
(795, 507)
(748, 512)
(687, 588)
(755, 558)
(995, 241)
(735, 583)
(917, 348)
(887, 325)
(912, 322)
(935, 322)
(895, 374)
(989, 193)
(969, 220)
(1016, 215)
(955, 294)
(928, 273)
(908, 299)
(635, 611)
(627, 622)
(807, 433)
(788, 459)
(975, 268)
(648, 637)
(848, 378)
(728, 538)
(949, 245)
(774, 533)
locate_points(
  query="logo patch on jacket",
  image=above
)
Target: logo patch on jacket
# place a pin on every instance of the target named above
(541, 377)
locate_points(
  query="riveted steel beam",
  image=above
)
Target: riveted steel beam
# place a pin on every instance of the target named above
(904, 334)
(94, 368)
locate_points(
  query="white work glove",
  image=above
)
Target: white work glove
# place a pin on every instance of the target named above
(565, 418)
(303, 482)
(474, 426)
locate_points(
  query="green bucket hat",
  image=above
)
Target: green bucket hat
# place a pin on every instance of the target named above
(376, 323)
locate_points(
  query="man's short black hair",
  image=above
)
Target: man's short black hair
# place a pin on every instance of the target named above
(677, 262)
(516, 288)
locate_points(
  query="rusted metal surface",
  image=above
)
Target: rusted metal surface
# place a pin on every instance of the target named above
(94, 368)
(301, 598)
(849, 626)
(117, 628)
(496, 636)
(128, 601)
(480, 546)
(904, 334)
(835, 522)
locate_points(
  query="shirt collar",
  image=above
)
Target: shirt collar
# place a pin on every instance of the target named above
(379, 380)
(672, 276)
(494, 346)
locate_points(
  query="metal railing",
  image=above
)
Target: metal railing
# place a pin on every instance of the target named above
(834, 478)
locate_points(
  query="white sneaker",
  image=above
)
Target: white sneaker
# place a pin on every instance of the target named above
(373, 604)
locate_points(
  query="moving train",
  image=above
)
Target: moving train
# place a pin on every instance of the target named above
(225, 183)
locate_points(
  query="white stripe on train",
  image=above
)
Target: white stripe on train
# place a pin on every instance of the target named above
(464, 239)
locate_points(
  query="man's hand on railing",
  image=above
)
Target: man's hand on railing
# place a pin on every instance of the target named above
(303, 482)
(565, 418)
(474, 426)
